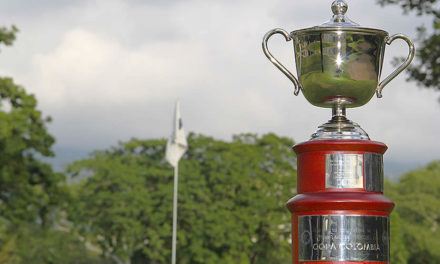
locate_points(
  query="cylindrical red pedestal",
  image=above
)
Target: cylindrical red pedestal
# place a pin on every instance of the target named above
(340, 214)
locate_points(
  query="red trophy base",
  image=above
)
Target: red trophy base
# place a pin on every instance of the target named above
(340, 214)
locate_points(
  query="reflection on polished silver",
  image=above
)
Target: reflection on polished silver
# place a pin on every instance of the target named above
(373, 172)
(339, 127)
(348, 171)
(339, 8)
(344, 171)
(275, 61)
(343, 238)
(339, 64)
(412, 51)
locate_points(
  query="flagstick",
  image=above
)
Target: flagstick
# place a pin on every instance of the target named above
(176, 179)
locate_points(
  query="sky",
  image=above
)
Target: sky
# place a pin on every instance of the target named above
(107, 71)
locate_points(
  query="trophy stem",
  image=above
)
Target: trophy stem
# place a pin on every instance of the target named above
(339, 127)
(338, 111)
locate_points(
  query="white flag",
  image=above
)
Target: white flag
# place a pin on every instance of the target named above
(176, 145)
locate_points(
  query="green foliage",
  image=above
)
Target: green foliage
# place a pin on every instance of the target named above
(231, 200)
(29, 189)
(32, 196)
(415, 233)
(231, 203)
(420, 6)
(41, 246)
(426, 69)
(7, 246)
(231, 194)
(7, 36)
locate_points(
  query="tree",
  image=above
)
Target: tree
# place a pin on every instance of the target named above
(231, 200)
(426, 69)
(50, 246)
(33, 197)
(415, 232)
(29, 189)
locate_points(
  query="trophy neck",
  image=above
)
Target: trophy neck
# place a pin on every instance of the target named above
(339, 127)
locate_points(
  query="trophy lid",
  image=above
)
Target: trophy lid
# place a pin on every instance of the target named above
(339, 19)
(340, 22)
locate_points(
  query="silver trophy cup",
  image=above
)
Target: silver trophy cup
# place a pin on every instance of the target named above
(339, 66)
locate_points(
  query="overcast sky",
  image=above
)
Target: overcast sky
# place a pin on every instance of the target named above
(107, 71)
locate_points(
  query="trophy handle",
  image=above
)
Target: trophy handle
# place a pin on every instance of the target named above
(405, 64)
(275, 61)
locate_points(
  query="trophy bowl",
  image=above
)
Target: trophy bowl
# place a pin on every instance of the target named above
(339, 66)
(339, 62)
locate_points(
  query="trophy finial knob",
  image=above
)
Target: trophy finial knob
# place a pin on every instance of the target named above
(339, 19)
(339, 7)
